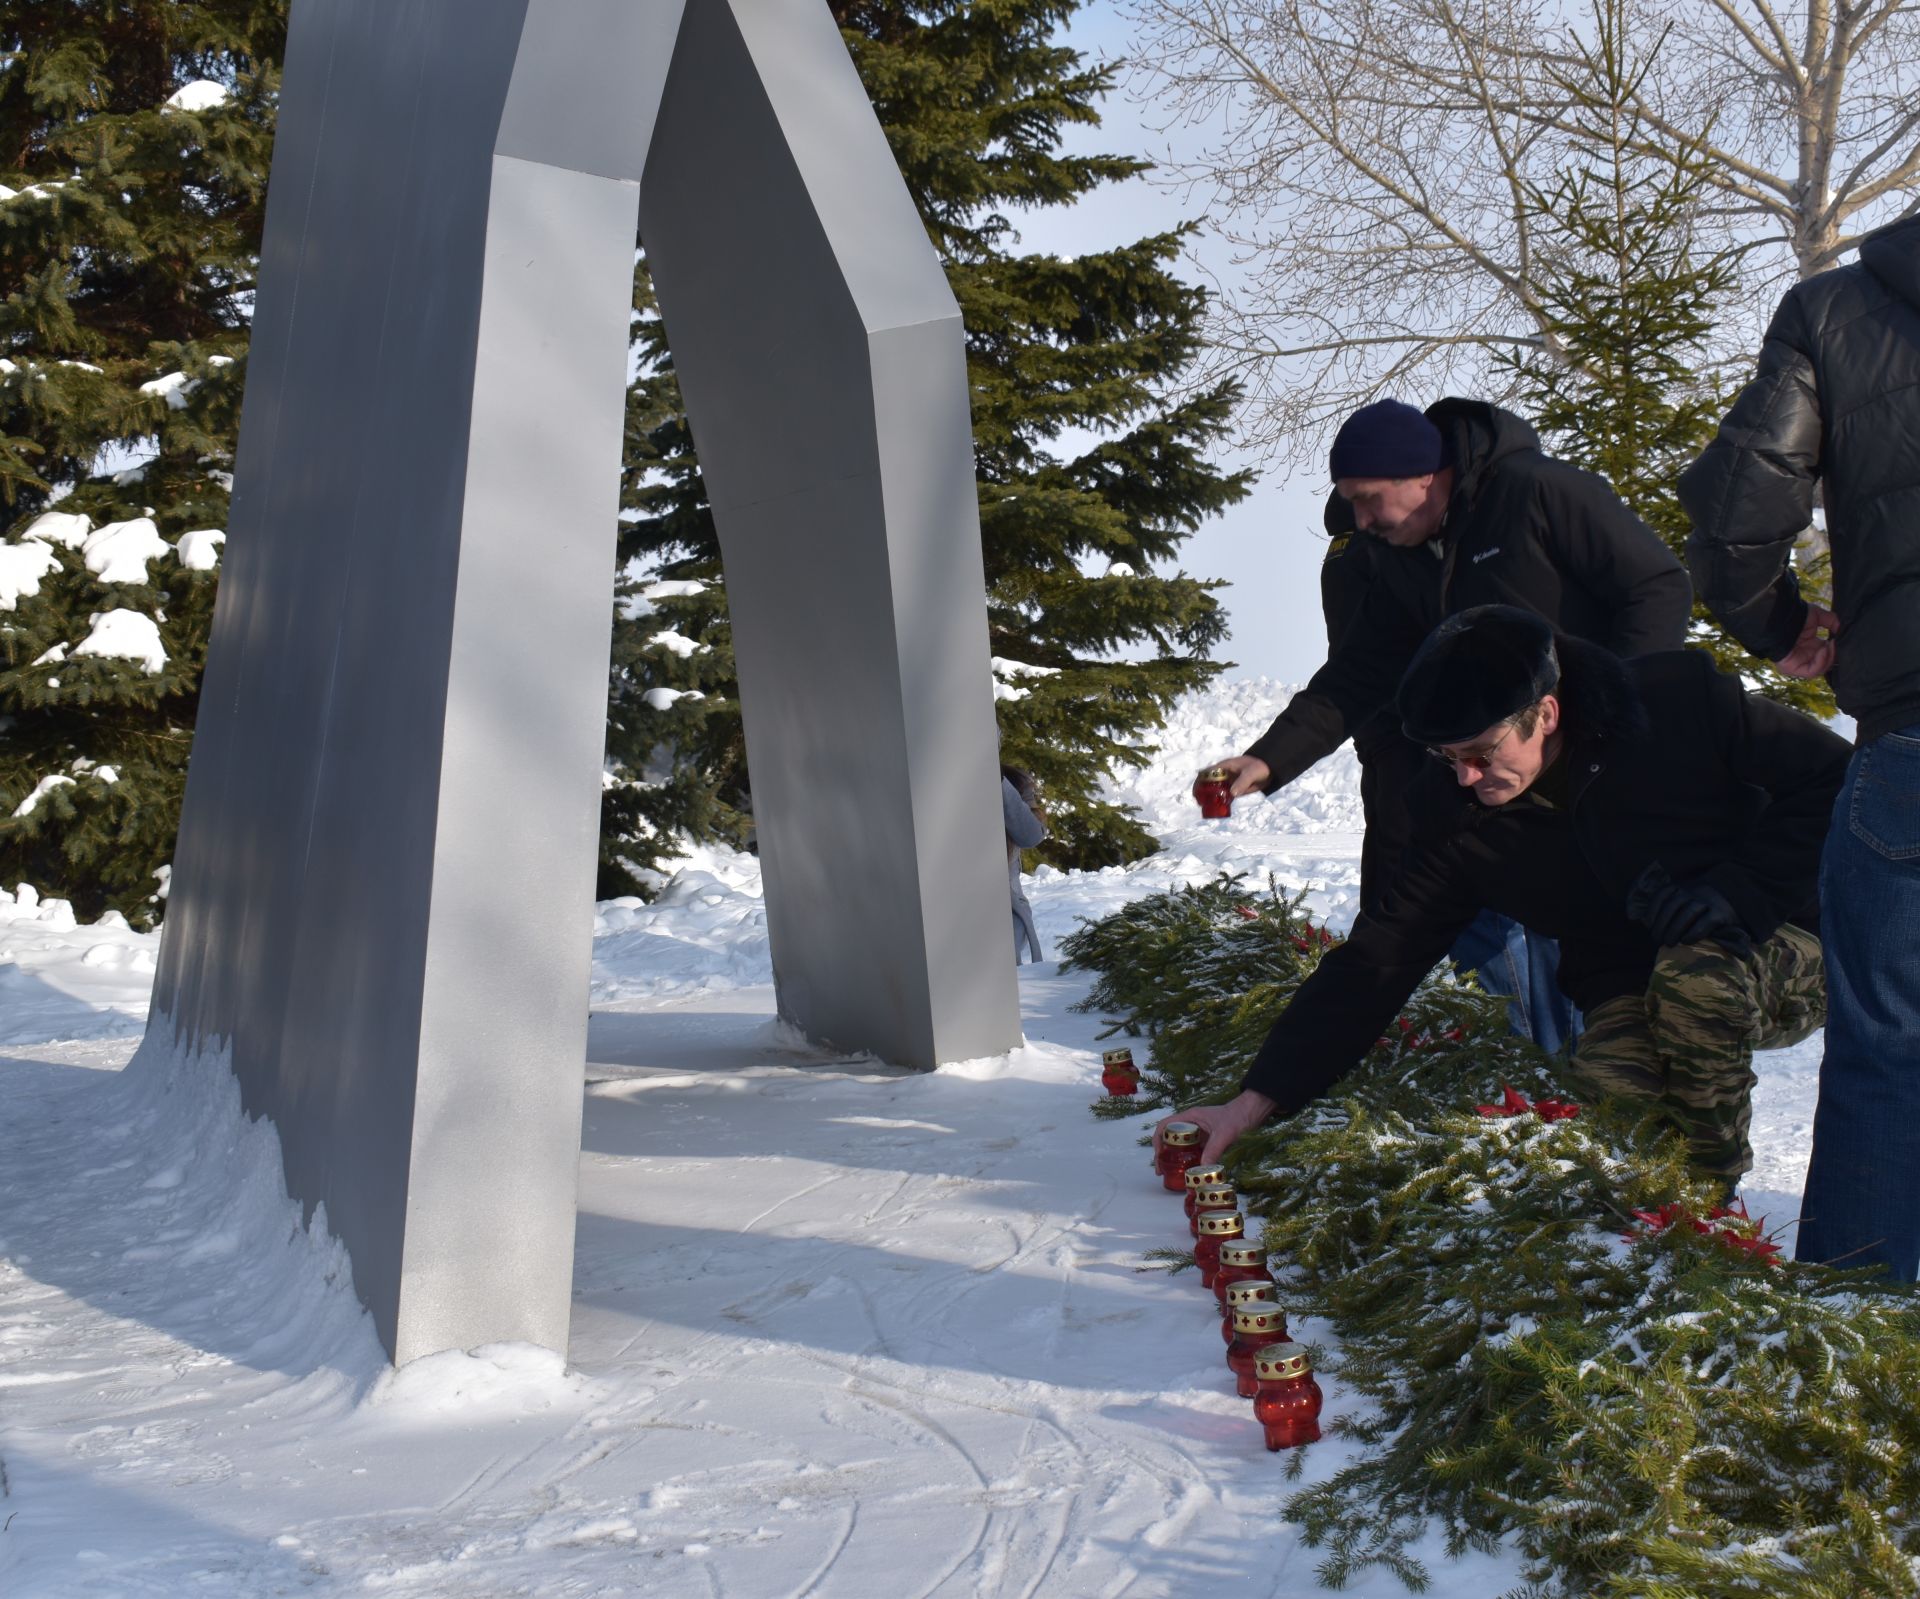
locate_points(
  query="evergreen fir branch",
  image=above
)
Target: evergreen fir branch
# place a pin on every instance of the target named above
(1641, 1411)
(127, 255)
(1171, 1261)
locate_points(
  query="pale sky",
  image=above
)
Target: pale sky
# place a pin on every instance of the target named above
(1269, 546)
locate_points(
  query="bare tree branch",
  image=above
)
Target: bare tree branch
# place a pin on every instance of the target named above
(1370, 162)
(1776, 50)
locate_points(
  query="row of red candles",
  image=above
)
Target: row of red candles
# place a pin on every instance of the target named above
(1267, 1366)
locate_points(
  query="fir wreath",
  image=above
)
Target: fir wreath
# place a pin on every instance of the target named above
(1545, 1351)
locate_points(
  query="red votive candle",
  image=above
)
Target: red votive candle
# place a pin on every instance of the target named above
(1214, 791)
(1216, 1196)
(1180, 1147)
(1246, 1293)
(1216, 1228)
(1118, 1074)
(1255, 1327)
(1198, 1177)
(1286, 1399)
(1241, 1260)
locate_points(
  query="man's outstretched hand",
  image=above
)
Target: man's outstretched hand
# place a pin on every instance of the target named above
(1224, 1123)
(1248, 773)
(1812, 655)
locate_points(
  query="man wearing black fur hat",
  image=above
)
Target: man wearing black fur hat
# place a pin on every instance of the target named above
(1451, 508)
(1659, 821)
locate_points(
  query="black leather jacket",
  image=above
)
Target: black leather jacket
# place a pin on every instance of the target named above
(1836, 400)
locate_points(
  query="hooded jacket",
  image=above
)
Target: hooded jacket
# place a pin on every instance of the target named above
(1522, 529)
(1836, 399)
(1666, 759)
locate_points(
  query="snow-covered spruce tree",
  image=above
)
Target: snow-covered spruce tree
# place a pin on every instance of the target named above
(1090, 475)
(134, 145)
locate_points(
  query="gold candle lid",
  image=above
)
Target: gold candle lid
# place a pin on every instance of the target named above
(1221, 1224)
(1258, 1316)
(1281, 1360)
(1182, 1135)
(1216, 774)
(1243, 1253)
(1215, 1197)
(1214, 1176)
(1249, 1293)
(1116, 1057)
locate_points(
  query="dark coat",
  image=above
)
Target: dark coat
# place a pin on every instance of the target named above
(1388, 760)
(1521, 529)
(1665, 759)
(1836, 399)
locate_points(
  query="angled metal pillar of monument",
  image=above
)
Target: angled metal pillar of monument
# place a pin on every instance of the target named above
(382, 893)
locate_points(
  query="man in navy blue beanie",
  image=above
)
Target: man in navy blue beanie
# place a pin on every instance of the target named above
(1388, 439)
(1434, 512)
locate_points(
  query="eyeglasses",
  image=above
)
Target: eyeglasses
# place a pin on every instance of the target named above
(1480, 760)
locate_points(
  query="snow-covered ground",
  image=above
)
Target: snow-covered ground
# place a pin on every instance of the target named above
(838, 1330)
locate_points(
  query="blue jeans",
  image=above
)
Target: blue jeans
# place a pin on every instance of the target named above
(1511, 960)
(1862, 1204)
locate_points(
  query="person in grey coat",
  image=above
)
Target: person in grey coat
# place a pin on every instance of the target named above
(1019, 807)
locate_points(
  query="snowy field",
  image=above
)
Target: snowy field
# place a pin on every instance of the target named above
(837, 1331)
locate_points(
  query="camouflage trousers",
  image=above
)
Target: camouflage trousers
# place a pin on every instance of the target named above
(1688, 1042)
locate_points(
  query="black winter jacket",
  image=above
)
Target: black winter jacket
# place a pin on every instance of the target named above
(1836, 399)
(1347, 573)
(1389, 762)
(1521, 529)
(1666, 759)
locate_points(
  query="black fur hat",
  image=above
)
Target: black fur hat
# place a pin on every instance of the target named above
(1474, 670)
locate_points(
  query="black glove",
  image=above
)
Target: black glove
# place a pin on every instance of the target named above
(1647, 887)
(1686, 913)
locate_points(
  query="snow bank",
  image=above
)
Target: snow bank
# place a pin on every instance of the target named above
(275, 1290)
(1223, 720)
(706, 932)
(62, 980)
(457, 1384)
(179, 1204)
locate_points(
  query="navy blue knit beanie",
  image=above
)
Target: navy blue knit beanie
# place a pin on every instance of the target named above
(1387, 439)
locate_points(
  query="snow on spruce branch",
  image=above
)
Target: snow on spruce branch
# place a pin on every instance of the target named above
(121, 634)
(202, 94)
(1004, 669)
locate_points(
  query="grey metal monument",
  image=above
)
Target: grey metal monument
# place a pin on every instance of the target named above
(382, 893)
